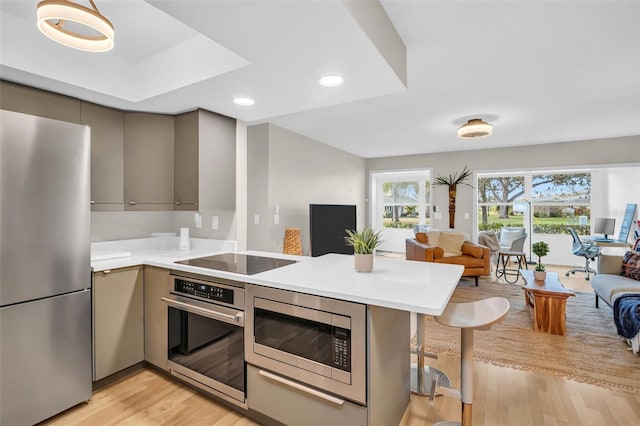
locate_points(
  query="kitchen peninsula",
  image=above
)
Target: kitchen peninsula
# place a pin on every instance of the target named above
(359, 374)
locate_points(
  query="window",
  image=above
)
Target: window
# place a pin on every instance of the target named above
(401, 204)
(496, 195)
(558, 200)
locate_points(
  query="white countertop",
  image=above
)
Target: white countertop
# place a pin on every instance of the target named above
(412, 286)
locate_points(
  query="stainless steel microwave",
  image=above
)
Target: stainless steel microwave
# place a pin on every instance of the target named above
(315, 340)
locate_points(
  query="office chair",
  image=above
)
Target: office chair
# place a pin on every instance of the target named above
(582, 249)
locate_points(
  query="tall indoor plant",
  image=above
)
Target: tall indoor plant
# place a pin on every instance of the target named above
(452, 181)
(364, 243)
(540, 249)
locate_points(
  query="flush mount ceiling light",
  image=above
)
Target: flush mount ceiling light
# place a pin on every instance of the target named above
(331, 80)
(243, 101)
(475, 128)
(53, 14)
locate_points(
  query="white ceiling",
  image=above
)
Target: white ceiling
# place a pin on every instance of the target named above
(540, 71)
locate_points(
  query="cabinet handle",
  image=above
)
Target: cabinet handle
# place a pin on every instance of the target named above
(93, 202)
(303, 388)
(106, 271)
(132, 203)
(178, 203)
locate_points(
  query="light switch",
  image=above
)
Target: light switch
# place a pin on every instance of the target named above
(215, 222)
(466, 215)
(256, 219)
(437, 215)
(197, 218)
(276, 219)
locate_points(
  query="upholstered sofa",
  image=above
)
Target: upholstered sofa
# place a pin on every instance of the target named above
(475, 258)
(608, 284)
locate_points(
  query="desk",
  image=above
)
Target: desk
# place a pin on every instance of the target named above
(613, 243)
(548, 299)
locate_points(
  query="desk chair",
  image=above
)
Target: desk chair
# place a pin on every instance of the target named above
(582, 249)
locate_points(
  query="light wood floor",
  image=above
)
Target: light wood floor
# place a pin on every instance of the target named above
(503, 396)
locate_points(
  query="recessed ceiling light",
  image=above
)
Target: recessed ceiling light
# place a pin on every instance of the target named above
(243, 101)
(331, 80)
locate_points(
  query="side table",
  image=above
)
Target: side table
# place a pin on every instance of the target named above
(548, 299)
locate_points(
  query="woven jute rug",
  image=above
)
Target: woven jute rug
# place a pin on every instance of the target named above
(591, 351)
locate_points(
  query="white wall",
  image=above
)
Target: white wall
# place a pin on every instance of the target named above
(292, 171)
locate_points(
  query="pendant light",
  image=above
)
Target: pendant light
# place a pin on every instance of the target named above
(475, 128)
(53, 14)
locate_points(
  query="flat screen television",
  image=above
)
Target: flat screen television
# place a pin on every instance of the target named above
(327, 224)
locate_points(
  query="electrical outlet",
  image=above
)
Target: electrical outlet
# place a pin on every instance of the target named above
(276, 219)
(215, 222)
(256, 219)
(466, 215)
(437, 215)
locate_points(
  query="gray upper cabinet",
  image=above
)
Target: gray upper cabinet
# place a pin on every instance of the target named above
(205, 161)
(217, 161)
(148, 161)
(107, 156)
(14, 97)
(186, 162)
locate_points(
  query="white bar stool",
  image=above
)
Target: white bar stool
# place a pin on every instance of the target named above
(479, 315)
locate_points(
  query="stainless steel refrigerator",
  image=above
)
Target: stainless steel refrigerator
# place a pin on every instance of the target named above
(45, 267)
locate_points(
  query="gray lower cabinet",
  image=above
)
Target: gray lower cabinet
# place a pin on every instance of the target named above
(156, 286)
(280, 399)
(118, 320)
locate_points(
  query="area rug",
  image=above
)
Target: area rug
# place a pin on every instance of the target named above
(591, 351)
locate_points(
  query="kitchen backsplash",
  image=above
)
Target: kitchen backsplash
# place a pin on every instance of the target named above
(121, 225)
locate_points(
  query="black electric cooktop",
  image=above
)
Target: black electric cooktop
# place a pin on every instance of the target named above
(238, 263)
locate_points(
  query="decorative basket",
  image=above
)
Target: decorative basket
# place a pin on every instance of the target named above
(292, 242)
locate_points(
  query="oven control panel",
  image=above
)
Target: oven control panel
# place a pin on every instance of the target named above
(204, 291)
(341, 349)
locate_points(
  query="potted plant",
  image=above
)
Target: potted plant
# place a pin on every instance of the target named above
(364, 243)
(452, 181)
(540, 249)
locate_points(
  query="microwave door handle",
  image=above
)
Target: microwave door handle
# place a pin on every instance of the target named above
(233, 319)
(303, 388)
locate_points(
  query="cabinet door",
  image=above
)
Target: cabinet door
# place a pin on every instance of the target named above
(156, 286)
(186, 161)
(27, 100)
(118, 322)
(148, 161)
(217, 158)
(107, 156)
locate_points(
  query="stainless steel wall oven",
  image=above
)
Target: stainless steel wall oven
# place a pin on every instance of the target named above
(206, 335)
(315, 340)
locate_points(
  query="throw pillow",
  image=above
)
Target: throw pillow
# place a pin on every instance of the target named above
(631, 265)
(451, 243)
(421, 237)
(433, 237)
(508, 235)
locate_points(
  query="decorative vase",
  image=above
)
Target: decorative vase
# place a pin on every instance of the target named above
(364, 262)
(540, 275)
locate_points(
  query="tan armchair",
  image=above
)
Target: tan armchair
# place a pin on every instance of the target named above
(475, 258)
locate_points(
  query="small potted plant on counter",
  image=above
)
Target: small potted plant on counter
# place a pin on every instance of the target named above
(364, 243)
(540, 249)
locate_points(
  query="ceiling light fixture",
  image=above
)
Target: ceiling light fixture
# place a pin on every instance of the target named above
(331, 80)
(52, 15)
(475, 128)
(243, 101)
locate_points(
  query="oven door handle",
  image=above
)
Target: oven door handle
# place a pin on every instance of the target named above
(237, 319)
(301, 387)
